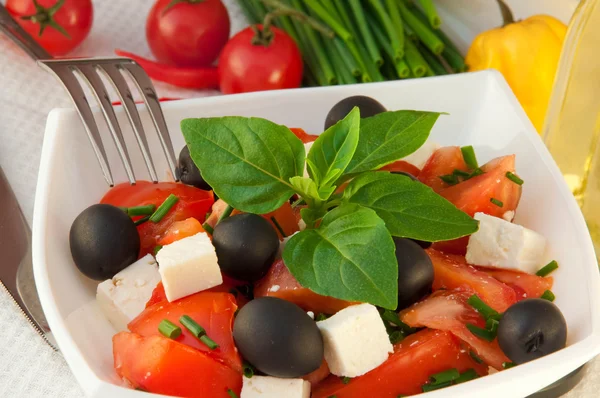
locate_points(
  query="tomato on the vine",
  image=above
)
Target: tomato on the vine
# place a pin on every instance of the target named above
(258, 59)
(57, 25)
(187, 32)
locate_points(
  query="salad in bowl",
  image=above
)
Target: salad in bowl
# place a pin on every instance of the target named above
(366, 261)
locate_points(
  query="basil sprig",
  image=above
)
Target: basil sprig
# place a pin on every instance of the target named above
(347, 251)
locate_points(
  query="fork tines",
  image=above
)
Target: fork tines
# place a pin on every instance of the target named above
(114, 69)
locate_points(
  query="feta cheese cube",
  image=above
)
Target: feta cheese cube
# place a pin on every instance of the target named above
(501, 244)
(273, 387)
(124, 297)
(188, 266)
(422, 155)
(355, 340)
(307, 147)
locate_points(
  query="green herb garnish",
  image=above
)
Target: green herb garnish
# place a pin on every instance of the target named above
(508, 365)
(485, 334)
(321, 317)
(547, 269)
(228, 210)
(475, 357)
(198, 331)
(514, 178)
(485, 310)
(164, 208)
(141, 221)
(156, 249)
(445, 376)
(139, 210)
(396, 336)
(278, 226)
(346, 380)
(248, 370)
(256, 165)
(469, 156)
(169, 329)
(548, 295)
(433, 387)
(232, 393)
(450, 179)
(466, 376)
(496, 202)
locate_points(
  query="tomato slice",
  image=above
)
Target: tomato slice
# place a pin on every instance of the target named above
(181, 229)
(213, 311)
(443, 162)
(279, 282)
(406, 370)
(318, 375)
(525, 285)
(453, 272)
(193, 202)
(449, 311)
(303, 135)
(162, 366)
(402, 166)
(228, 286)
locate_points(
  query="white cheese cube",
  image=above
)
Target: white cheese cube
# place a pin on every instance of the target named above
(188, 266)
(355, 340)
(307, 147)
(422, 155)
(273, 387)
(501, 244)
(124, 297)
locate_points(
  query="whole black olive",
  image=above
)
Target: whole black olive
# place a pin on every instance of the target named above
(188, 172)
(531, 329)
(104, 241)
(367, 106)
(415, 272)
(246, 245)
(278, 338)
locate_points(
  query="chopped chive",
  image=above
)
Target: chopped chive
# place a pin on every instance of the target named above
(169, 329)
(345, 380)
(476, 172)
(210, 343)
(228, 210)
(141, 210)
(394, 319)
(469, 156)
(248, 370)
(508, 365)
(141, 221)
(123, 209)
(207, 216)
(548, 295)
(192, 326)
(396, 336)
(278, 226)
(485, 334)
(460, 173)
(232, 393)
(496, 202)
(321, 317)
(514, 178)
(475, 357)
(466, 376)
(547, 269)
(449, 179)
(445, 376)
(157, 249)
(485, 310)
(206, 226)
(492, 325)
(433, 387)
(164, 208)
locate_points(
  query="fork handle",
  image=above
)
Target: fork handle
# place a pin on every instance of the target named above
(14, 31)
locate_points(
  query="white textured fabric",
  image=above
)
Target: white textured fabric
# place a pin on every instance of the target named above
(28, 367)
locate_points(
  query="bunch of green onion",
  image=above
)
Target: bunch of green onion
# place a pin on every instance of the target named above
(370, 40)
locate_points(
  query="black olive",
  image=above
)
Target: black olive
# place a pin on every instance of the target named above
(531, 329)
(246, 245)
(415, 272)
(422, 243)
(188, 172)
(278, 338)
(104, 241)
(367, 105)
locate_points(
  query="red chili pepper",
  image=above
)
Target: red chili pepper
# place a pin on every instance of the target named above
(198, 78)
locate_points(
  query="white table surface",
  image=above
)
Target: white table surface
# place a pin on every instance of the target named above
(29, 367)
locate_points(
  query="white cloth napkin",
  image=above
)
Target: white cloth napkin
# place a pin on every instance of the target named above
(29, 367)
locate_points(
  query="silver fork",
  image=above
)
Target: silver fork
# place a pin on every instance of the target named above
(114, 70)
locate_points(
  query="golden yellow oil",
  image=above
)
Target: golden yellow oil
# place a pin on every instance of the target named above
(572, 127)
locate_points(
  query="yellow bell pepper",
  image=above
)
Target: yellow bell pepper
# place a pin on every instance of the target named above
(527, 54)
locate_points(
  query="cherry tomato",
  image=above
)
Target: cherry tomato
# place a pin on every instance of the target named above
(58, 25)
(245, 66)
(400, 166)
(187, 32)
(525, 285)
(443, 162)
(406, 370)
(162, 366)
(181, 229)
(303, 135)
(193, 202)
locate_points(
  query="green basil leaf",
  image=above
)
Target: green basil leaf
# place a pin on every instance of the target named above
(351, 256)
(333, 150)
(389, 136)
(305, 187)
(409, 208)
(247, 161)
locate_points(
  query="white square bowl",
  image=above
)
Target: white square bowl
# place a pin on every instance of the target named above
(482, 112)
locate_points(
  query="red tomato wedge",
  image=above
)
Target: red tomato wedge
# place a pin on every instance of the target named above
(453, 272)
(414, 360)
(524, 284)
(279, 282)
(303, 135)
(402, 166)
(193, 202)
(443, 162)
(213, 311)
(449, 311)
(158, 294)
(318, 375)
(162, 366)
(181, 229)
